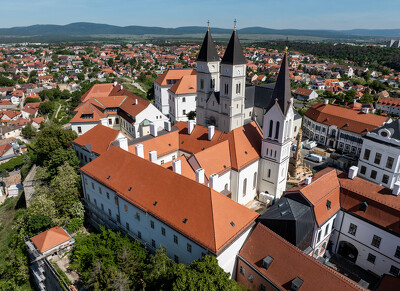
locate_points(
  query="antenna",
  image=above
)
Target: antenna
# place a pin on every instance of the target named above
(234, 24)
(208, 25)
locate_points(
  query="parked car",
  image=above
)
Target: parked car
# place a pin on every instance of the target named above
(310, 145)
(315, 158)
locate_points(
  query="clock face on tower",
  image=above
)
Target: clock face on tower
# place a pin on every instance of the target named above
(239, 71)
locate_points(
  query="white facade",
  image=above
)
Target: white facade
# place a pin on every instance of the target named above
(378, 259)
(379, 161)
(161, 97)
(180, 105)
(275, 150)
(106, 207)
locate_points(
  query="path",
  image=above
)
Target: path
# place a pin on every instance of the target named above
(138, 86)
(58, 110)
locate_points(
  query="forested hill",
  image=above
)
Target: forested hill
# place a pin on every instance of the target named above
(87, 29)
(365, 56)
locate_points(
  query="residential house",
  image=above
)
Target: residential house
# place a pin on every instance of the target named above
(305, 94)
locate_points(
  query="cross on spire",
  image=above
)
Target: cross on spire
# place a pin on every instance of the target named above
(234, 24)
(208, 25)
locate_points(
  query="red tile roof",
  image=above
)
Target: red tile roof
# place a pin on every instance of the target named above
(186, 85)
(209, 214)
(50, 238)
(289, 262)
(344, 118)
(392, 102)
(174, 75)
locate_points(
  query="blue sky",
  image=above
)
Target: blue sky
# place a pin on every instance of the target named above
(301, 14)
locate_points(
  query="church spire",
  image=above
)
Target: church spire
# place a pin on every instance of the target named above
(234, 52)
(208, 52)
(282, 91)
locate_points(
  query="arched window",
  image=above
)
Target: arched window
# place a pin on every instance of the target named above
(277, 130)
(255, 180)
(271, 126)
(244, 187)
(226, 186)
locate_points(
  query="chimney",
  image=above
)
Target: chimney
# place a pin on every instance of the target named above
(211, 131)
(176, 166)
(153, 129)
(103, 121)
(308, 180)
(354, 101)
(326, 101)
(153, 156)
(122, 87)
(352, 172)
(167, 125)
(267, 261)
(365, 110)
(136, 101)
(396, 188)
(200, 175)
(139, 150)
(115, 83)
(213, 181)
(190, 126)
(123, 143)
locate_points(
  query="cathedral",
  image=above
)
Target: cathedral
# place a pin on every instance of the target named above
(221, 102)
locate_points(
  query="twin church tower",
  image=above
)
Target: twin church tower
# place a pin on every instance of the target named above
(221, 88)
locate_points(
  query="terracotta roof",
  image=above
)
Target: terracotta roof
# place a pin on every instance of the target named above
(186, 85)
(289, 262)
(344, 118)
(186, 169)
(303, 91)
(174, 75)
(163, 144)
(209, 214)
(245, 144)
(324, 187)
(50, 238)
(98, 90)
(393, 102)
(389, 283)
(198, 139)
(88, 109)
(4, 148)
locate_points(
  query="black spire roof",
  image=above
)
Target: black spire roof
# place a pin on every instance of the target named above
(234, 52)
(282, 91)
(208, 53)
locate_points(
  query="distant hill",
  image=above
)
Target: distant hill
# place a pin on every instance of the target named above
(80, 29)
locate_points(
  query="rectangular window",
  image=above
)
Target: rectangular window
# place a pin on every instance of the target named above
(100, 190)
(92, 185)
(79, 129)
(85, 181)
(108, 195)
(385, 179)
(102, 206)
(363, 170)
(376, 241)
(137, 216)
(394, 271)
(201, 84)
(367, 153)
(373, 174)
(183, 99)
(152, 224)
(175, 239)
(109, 121)
(139, 234)
(189, 248)
(163, 231)
(238, 88)
(116, 200)
(176, 259)
(153, 243)
(319, 236)
(352, 229)
(109, 211)
(226, 89)
(326, 230)
(118, 219)
(95, 202)
(127, 226)
(184, 112)
(371, 258)
(389, 162)
(397, 253)
(126, 208)
(378, 157)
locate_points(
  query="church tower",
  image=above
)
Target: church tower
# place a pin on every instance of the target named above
(208, 77)
(277, 136)
(233, 83)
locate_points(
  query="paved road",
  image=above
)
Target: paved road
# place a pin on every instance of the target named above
(138, 86)
(314, 166)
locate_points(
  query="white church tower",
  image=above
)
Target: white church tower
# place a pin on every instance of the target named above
(277, 136)
(233, 83)
(221, 96)
(208, 77)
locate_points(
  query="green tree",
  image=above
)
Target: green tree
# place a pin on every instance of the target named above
(6, 82)
(28, 131)
(47, 107)
(191, 115)
(38, 223)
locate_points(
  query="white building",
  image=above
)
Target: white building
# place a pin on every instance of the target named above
(157, 206)
(163, 83)
(379, 161)
(182, 98)
(115, 107)
(388, 105)
(339, 128)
